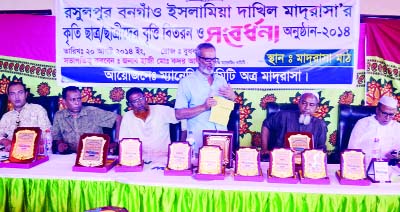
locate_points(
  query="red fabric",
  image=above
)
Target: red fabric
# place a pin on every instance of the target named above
(28, 36)
(383, 38)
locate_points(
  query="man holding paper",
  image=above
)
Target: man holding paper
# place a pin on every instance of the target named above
(274, 128)
(196, 92)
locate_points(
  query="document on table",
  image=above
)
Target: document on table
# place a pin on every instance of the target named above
(220, 112)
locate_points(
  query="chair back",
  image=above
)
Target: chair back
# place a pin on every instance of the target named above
(273, 107)
(3, 104)
(234, 125)
(49, 103)
(348, 117)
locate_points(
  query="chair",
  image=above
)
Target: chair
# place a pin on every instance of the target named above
(348, 117)
(3, 104)
(50, 103)
(234, 125)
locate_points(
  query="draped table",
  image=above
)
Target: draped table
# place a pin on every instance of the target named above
(53, 186)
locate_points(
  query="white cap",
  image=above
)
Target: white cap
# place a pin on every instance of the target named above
(312, 93)
(388, 101)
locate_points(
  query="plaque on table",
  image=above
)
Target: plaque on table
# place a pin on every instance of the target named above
(92, 153)
(179, 160)
(282, 167)
(314, 167)
(130, 155)
(378, 171)
(248, 165)
(352, 168)
(24, 149)
(298, 142)
(210, 163)
(222, 139)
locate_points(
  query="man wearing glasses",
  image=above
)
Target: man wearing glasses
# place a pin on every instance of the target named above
(22, 115)
(377, 128)
(195, 93)
(71, 123)
(149, 123)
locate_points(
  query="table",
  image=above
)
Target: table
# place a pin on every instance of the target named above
(53, 186)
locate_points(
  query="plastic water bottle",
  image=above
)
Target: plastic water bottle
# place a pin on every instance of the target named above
(376, 149)
(48, 141)
(190, 139)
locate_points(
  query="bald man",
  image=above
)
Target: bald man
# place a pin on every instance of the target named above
(275, 127)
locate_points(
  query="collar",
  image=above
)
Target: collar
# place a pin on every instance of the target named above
(82, 113)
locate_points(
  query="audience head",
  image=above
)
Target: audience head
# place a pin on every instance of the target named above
(136, 99)
(206, 58)
(17, 95)
(72, 99)
(308, 104)
(386, 110)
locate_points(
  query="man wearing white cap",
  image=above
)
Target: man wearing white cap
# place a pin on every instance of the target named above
(377, 128)
(275, 127)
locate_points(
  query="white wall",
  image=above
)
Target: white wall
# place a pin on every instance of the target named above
(368, 7)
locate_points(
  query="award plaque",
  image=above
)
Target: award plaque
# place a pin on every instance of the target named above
(24, 149)
(92, 153)
(281, 167)
(179, 160)
(352, 168)
(248, 165)
(130, 155)
(298, 142)
(314, 167)
(378, 171)
(210, 163)
(222, 139)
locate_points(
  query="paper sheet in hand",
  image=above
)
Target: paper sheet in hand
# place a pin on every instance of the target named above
(220, 112)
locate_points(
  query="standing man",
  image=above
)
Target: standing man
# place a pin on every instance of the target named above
(195, 93)
(22, 115)
(274, 128)
(149, 123)
(71, 123)
(380, 128)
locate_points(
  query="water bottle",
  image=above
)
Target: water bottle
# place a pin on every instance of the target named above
(48, 141)
(190, 139)
(376, 150)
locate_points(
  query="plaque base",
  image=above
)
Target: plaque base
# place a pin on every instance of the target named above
(109, 164)
(39, 160)
(343, 181)
(288, 180)
(171, 172)
(121, 168)
(199, 176)
(258, 178)
(322, 181)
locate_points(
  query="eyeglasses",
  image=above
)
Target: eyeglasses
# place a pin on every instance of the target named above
(135, 101)
(390, 115)
(209, 60)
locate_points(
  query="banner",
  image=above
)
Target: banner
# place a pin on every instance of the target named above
(274, 44)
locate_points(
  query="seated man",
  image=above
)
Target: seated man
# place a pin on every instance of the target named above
(71, 123)
(149, 123)
(22, 115)
(275, 127)
(379, 127)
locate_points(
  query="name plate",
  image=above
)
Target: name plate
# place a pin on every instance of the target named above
(223, 139)
(378, 171)
(298, 142)
(314, 164)
(179, 156)
(248, 162)
(130, 152)
(25, 144)
(282, 163)
(352, 165)
(92, 150)
(210, 160)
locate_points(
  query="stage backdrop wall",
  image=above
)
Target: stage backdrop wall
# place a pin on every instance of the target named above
(27, 54)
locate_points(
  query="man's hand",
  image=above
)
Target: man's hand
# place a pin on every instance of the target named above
(210, 102)
(227, 92)
(6, 143)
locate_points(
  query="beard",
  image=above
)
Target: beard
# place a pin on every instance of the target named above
(142, 114)
(305, 119)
